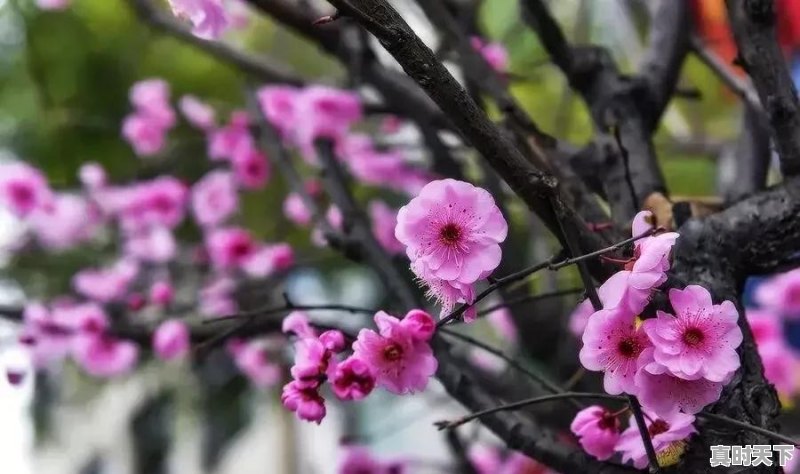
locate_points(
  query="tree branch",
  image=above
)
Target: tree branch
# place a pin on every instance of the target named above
(531, 184)
(263, 70)
(753, 24)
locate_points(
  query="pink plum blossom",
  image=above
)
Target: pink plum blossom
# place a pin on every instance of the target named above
(162, 293)
(488, 460)
(250, 168)
(154, 245)
(781, 294)
(384, 221)
(781, 367)
(150, 97)
(327, 113)
(503, 323)
(296, 210)
(171, 340)
(700, 341)
(632, 288)
(447, 294)
(53, 4)
(207, 17)
(47, 334)
(453, 230)
(146, 135)
(359, 460)
(398, 353)
(613, 344)
(252, 359)
(238, 14)
(312, 362)
(216, 297)
(197, 112)
(92, 175)
(23, 189)
(766, 326)
(669, 436)
(102, 355)
(157, 202)
(353, 379)
(298, 323)
(268, 260)
(494, 53)
(597, 430)
(224, 142)
(229, 247)
(662, 393)
(306, 402)
(214, 198)
(107, 284)
(68, 221)
(135, 301)
(279, 105)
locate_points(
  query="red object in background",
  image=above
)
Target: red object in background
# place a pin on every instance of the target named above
(788, 17)
(711, 23)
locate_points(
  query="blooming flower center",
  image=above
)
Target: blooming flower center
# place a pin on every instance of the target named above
(629, 347)
(162, 203)
(637, 252)
(793, 295)
(659, 426)
(253, 168)
(392, 352)
(693, 336)
(21, 194)
(608, 422)
(450, 234)
(241, 248)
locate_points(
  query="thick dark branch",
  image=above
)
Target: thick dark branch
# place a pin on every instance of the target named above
(753, 23)
(516, 431)
(736, 84)
(531, 184)
(259, 68)
(668, 45)
(395, 88)
(752, 158)
(480, 72)
(756, 235)
(615, 102)
(357, 228)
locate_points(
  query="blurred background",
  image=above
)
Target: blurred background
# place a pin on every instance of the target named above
(64, 82)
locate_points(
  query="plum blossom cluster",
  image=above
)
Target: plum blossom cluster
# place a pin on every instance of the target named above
(304, 115)
(143, 217)
(486, 459)
(494, 53)
(778, 299)
(360, 460)
(152, 117)
(396, 357)
(452, 233)
(675, 363)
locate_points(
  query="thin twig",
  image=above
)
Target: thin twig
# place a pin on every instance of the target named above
(747, 426)
(529, 299)
(513, 363)
(268, 310)
(551, 264)
(452, 424)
